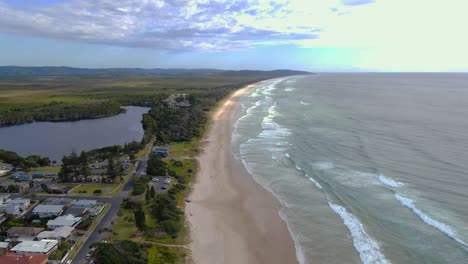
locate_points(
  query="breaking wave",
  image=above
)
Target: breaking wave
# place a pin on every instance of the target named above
(446, 229)
(389, 182)
(369, 250)
(314, 182)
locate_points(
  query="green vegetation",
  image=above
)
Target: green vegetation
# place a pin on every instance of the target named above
(90, 188)
(156, 166)
(32, 161)
(120, 252)
(40, 94)
(60, 252)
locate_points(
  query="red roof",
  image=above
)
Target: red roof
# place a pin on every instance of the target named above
(23, 259)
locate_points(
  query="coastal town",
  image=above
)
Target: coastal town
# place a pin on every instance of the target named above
(44, 219)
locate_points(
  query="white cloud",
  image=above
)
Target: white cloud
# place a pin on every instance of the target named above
(396, 25)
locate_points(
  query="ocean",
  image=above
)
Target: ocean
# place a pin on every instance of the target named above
(368, 167)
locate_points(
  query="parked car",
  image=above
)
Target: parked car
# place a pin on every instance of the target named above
(155, 179)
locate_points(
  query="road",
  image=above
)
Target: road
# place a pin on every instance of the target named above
(80, 257)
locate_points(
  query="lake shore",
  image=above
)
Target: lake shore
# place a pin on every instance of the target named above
(232, 218)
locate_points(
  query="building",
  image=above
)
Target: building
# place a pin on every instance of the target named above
(21, 176)
(48, 210)
(76, 211)
(44, 247)
(161, 151)
(85, 203)
(22, 202)
(59, 201)
(4, 198)
(38, 174)
(12, 209)
(59, 233)
(23, 259)
(4, 248)
(2, 217)
(20, 186)
(66, 220)
(23, 233)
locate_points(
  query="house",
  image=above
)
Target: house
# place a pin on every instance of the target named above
(12, 209)
(23, 259)
(38, 174)
(23, 233)
(65, 220)
(59, 201)
(2, 217)
(59, 233)
(161, 151)
(22, 202)
(21, 176)
(76, 211)
(48, 210)
(6, 184)
(3, 248)
(4, 198)
(85, 203)
(45, 247)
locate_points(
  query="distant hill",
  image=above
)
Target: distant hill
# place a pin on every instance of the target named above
(19, 72)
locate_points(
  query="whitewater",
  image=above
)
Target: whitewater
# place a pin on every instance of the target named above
(369, 168)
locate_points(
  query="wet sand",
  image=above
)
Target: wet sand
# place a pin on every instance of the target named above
(232, 218)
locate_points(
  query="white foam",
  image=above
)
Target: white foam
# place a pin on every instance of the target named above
(301, 258)
(389, 182)
(304, 103)
(369, 250)
(324, 165)
(446, 229)
(287, 155)
(314, 182)
(299, 168)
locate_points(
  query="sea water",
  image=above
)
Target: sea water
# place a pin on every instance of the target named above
(368, 167)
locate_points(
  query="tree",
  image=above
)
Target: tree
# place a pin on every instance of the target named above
(156, 166)
(44, 187)
(153, 192)
(74, 162)
(84, 164)
(139, 219)
(112, 170)
(147, 195)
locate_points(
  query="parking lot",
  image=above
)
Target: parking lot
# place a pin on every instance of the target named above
(161, 183)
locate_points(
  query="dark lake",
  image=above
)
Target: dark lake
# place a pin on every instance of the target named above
(54, 139)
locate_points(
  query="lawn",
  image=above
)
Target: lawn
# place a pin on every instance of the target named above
(48, 169)
(184, 149)
(89, 188)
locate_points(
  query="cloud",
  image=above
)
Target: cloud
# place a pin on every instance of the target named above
(169, 24)
(356, 2)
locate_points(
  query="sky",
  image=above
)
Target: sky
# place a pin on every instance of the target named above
(313, 35)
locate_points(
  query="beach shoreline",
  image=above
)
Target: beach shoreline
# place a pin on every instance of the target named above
(232, 218)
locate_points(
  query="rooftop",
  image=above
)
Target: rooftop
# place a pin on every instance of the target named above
(23, 259)
(24, 231)
(43, 246)
(48, 208)
(67, 220)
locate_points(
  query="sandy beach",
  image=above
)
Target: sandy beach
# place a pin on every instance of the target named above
(232, 218)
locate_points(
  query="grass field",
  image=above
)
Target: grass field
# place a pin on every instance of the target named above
(39, 91)
(89, 188)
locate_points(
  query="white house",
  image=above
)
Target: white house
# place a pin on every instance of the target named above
(12, 209)
(45, 246)
(66, 220)
(4, 198)
(48, 210)
(85, 203)
(59, 233)
(22, 202)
